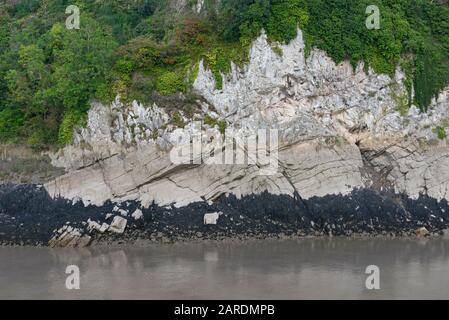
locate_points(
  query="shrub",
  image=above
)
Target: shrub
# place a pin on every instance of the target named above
(177, 120)
(170, 83)
(71, 120)
(222, 125)
(441, 133)
(11, 121)
(285, 18)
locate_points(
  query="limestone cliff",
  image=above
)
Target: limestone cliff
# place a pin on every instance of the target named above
(341, 130)
(334, 122)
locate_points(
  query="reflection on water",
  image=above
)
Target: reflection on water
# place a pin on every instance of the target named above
(293, 269)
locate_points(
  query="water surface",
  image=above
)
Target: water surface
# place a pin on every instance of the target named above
(290, 269)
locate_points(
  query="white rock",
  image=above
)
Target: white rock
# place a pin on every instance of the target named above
(138, 214)
(123, 212)
(118, 225)
(68, 236)
(92, 225)
(422, 232)
(104, 227)
(211, 218)
(325, 114)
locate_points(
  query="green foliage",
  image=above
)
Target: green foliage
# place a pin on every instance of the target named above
(218, 60)
(286, 16)
(402, 104)
(278, 51)
(242, 19)
(177, 120)
(219, 63)
(32, 60)
(81, 62)
(144, 49)
(61, 71)
(71, 120)
(441, 133)
(11, 122)
(222, 125)
(170, 83)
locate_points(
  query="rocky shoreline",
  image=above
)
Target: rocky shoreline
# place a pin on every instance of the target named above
(351, 160)
(29, 216)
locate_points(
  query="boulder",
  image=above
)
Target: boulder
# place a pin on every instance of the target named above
(211, 218)
(69, 237)
(138, 214)
(422, 232)
(118, 225)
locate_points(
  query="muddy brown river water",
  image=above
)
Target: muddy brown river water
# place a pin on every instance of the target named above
(268, 269)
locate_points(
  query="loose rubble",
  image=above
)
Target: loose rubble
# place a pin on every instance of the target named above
(30, 216)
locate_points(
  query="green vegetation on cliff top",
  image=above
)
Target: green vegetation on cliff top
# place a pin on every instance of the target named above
(150, 49)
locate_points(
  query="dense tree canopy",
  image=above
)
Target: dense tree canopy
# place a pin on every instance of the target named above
(148, 49)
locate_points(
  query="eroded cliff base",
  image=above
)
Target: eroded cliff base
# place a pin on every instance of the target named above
(29, 216)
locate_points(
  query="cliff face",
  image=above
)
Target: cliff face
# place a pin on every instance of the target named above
(338, 128)
(340, 132)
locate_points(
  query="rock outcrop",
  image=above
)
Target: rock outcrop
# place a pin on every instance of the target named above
(332, 121)
(341, 130)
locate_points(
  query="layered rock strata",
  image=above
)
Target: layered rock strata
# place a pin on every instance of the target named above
(349, 157)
